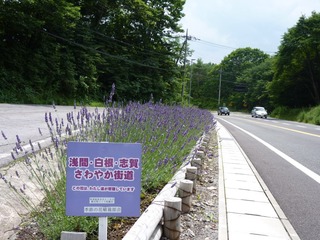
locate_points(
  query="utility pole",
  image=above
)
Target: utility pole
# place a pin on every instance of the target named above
(219, 86)
(184, 65)
(190, 81)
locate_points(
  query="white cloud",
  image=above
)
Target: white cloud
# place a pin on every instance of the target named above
(241, 23)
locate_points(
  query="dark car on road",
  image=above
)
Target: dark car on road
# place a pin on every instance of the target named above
(223, 111)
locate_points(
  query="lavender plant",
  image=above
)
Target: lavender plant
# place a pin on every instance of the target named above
(167, 135)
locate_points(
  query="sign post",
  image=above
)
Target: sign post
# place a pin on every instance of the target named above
(103, 228)
(103, 179)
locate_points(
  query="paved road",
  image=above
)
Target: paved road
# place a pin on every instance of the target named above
(26, 121)
(286, 155)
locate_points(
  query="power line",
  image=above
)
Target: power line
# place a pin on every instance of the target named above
(71, 42)
(194, 39)
(118, 42)
(215, 44)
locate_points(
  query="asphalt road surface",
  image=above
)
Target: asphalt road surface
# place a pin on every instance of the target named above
(287, 156)
(28, 123)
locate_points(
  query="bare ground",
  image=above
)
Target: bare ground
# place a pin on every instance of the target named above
(201, 223)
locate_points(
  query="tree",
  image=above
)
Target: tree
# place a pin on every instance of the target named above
(66, 49)
(136, 42)
(297, 74)
(203, 91)
(37, 67)
(256, 80)
(232, 67)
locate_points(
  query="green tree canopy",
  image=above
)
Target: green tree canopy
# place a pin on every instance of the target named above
(203, 87)
(297, 76)
(233, 66)
(64, 50)
(255, 81)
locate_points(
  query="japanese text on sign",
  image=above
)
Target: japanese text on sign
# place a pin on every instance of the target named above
(124, 171)
(101, 179)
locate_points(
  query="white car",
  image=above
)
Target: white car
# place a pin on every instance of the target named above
(259, 112)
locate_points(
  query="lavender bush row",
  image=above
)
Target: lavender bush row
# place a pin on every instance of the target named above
(167, 135)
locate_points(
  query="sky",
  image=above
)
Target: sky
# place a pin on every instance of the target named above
(218, 27)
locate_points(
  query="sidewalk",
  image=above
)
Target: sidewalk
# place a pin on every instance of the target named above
(247, 210)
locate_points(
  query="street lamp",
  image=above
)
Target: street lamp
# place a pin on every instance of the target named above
(191, 64)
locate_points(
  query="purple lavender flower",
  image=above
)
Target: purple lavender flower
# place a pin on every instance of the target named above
(3, 135)
(113, 89)
(68, 130)
(31, 145)
(175, 183)
(50, 130)
(50, 118)
(17, 174)
(17, 147)
(4, 179)
(40, 131)
(56, 142)
(18, 139)
(27, 160)
(46, 117)
(13, 157)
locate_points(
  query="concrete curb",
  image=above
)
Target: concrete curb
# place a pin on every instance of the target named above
(224, 228)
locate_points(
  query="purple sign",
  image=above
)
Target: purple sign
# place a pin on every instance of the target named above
(103, 179)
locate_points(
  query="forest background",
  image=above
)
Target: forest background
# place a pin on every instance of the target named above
(64, 51)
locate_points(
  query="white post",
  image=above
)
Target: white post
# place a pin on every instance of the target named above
(185, 193)
(171, 216)
(103, 228)
(197, 162)
(191, 174)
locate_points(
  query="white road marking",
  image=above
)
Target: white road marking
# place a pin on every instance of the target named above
(290, 160)
(300, 126)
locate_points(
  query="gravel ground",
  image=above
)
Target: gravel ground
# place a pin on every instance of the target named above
(201, 223)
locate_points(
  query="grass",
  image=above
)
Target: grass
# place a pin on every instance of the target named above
(307, 115)
(167, 135)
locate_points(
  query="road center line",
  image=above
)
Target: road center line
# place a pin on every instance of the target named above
(290, 129)
(290, 160)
